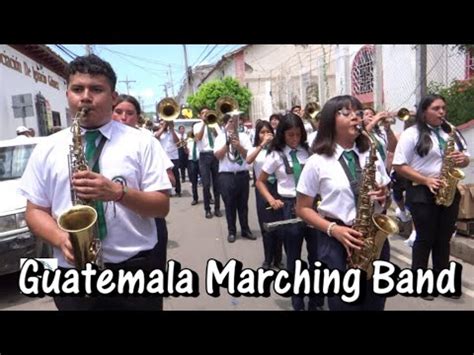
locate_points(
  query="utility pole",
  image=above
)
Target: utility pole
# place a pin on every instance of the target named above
(378, 87)
(89, 49)
(165, 86)
(126, 83)
(171, 80)
(188, 71)
(420, 72)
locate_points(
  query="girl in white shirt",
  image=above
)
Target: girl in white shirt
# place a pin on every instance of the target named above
(418, 157)
(339, 142)
(288, 154)
(272, 241)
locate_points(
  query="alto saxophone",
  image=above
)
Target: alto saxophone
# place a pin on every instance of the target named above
(450, 175)
(80, 220)
(375, 227)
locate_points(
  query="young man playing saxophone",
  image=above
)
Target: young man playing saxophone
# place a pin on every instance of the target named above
(131, 185)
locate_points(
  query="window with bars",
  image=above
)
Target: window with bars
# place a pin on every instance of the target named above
(363, 72)
(470, 64)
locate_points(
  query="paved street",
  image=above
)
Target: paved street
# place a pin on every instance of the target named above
(194, 240)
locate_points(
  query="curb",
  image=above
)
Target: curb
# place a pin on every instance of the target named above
(405, 261)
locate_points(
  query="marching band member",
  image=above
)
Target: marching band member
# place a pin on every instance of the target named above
(339, 152)
(231, 150)
(208, 164)
(288, 154)
(272, 241)
(129, 174)
(419, 157)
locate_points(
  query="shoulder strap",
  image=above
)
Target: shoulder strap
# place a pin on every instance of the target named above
(97, 152)
(353, 182)
(288, 168)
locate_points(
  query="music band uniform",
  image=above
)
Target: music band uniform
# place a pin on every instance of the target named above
(325, 176)
(46, 183)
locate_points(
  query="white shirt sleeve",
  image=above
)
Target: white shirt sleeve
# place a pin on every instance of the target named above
(272, 163)
(405, 150)
(154, 175)
(308, 183)
(34, 181)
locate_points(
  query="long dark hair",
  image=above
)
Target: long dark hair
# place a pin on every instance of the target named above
(424, 144)
(289, 121)
(325, 142)
(261, 124)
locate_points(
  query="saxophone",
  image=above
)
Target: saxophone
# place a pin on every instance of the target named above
(450, 175)
(80, 220)
(374, 227)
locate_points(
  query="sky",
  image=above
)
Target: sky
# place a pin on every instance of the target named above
(148, 68)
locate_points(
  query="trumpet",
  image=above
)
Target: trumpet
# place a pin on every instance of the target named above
(402, 115)
(211, 119)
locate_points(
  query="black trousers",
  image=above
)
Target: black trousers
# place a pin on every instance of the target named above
(209, 169)
(193, 171)
(176, 175)
(434, 226)
(146, 261)
(183, 163)
(332, 253)
(235, 194)
(272, 241)
(293, 236)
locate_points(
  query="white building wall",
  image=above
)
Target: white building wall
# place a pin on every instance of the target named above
(13, 82)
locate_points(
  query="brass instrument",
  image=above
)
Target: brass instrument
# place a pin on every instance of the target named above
(449, 175)
(168, 109)
(312, 108)
(374, 227)
(80, 220)
(212, 119)
(226, 104)
(403, 115)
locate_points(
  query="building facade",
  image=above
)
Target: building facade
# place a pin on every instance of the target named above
(32, 90)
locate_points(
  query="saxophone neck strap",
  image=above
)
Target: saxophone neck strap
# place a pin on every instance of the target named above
(97, 152)
(353, 181)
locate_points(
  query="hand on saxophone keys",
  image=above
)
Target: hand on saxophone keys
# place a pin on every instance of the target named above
(93, 186)
(458, 158)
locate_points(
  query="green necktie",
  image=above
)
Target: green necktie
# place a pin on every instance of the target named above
(91, 138)
(441, 141)
(209, 137)
(194, 151)
(296, 166)
(350, 162)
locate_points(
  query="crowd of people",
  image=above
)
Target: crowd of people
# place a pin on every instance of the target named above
(306, 163)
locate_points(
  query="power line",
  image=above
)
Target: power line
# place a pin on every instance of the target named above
(152, 61)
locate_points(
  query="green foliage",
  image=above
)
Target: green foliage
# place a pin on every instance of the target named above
(209, 93)
(459, 99)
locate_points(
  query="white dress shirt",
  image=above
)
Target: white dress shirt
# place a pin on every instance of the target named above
(430, 164)
(127, 156)
(274, 165)
(203, 145)
(325, 176)
(225, 165)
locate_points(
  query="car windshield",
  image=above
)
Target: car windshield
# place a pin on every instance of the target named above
(13, 161)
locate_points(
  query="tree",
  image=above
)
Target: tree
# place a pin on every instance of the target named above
(459, 99)
(209, 93)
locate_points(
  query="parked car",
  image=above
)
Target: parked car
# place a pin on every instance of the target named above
(16, 241)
